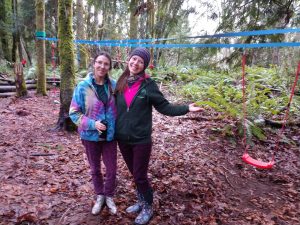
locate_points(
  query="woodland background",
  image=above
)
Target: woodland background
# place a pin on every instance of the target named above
(196, 166)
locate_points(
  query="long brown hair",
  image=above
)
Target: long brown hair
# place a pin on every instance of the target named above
(122, 81)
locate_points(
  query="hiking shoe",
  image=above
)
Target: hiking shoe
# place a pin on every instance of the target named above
(111, 205)
(98, 205)
(145, 215)
(137, 207)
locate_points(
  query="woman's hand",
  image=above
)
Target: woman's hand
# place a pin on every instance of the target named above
(100, 126)
(194, 108)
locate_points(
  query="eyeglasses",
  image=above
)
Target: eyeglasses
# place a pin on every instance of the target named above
(102, 63)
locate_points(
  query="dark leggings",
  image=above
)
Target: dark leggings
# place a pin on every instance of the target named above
(137, 158)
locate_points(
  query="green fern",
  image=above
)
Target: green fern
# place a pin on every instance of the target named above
(267, 93)
(208, 103)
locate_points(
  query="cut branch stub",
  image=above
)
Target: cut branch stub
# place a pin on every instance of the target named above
(20, 81)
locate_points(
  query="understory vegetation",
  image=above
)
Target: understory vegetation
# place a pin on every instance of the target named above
(267, 95)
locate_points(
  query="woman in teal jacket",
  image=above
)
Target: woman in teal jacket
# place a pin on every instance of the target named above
(136, 93)
(93, 110)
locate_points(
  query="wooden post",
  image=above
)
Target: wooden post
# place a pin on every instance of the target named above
(20, 81)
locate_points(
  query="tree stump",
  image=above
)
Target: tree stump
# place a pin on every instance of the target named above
(21, 89)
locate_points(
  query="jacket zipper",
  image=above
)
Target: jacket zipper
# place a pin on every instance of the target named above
(97, 96)
(141, 87)
(128, 107)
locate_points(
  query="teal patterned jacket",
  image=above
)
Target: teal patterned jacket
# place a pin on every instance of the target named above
(86, 108)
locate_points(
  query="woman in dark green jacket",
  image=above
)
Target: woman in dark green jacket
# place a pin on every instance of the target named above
(136, 93)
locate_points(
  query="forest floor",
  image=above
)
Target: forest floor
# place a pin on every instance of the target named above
(197, 173)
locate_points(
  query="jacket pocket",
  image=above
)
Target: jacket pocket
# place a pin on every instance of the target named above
(139, 131)
(142, 93)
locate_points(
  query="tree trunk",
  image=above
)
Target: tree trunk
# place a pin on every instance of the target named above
(5, 10)
(133, 20)
(20, 47)
(142, 22)
(178, 56)
(20, 81)
(150, 27)
(40, 48)
(14, 33)
(166, 17)
(81, 35)
(17, 45)
(96, 26)
(17, 35)
(26, 51)
(67, 68)
(88, 22)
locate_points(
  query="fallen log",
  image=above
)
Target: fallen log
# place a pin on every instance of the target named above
(54, 83)
(48, 81)
(53, 79)
(6, 91)
(278, 124)
(11, 81)
(5, 83)
(13, 88)
(30, 81)
(7, 94)
(42, 154)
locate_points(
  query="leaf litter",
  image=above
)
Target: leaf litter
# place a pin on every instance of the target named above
(197, 173)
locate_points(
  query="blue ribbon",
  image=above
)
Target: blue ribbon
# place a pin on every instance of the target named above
(250, 33)
(253, 45)
(138, 42)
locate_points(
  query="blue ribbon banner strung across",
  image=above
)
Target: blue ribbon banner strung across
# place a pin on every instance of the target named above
(138, 42)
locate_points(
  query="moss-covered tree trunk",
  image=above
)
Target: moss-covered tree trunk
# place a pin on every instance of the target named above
(67, 68)
(80, 27)
(5, 11)
(40, 48)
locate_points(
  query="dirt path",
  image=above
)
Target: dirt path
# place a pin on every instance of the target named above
(197, 174)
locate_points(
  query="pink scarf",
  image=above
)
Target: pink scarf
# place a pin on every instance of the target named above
(130, 92)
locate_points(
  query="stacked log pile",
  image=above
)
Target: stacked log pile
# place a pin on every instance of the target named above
(8, 86)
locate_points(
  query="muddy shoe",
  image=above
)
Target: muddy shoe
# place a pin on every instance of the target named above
(111, 205)
(98, 205)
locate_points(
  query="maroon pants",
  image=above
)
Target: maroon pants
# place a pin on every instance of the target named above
(108, 151)
(137, 160)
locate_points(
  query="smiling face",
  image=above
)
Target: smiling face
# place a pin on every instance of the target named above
(101, 67)
(136, 64)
